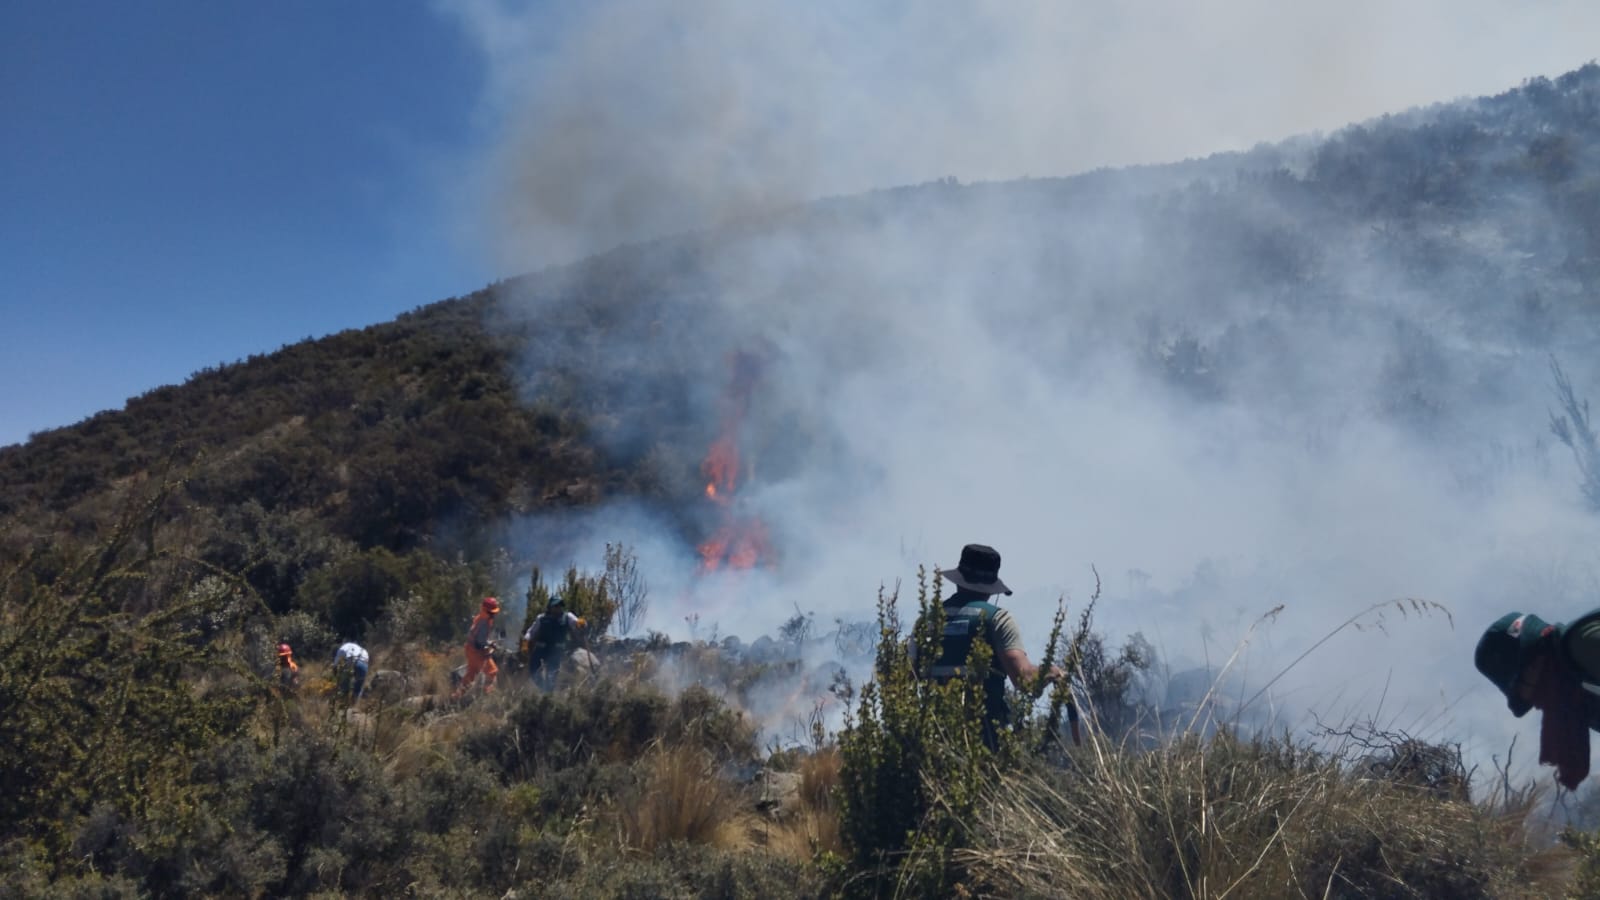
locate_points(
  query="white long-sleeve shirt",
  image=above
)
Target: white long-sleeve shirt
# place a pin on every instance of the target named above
(351, 651)
(533, 630)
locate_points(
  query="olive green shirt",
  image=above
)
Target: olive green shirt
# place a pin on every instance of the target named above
(1004, 634)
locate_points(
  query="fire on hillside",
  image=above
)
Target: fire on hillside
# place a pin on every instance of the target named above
(740, 540)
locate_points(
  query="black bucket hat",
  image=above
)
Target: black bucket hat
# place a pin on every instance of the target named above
(978, 571)
(1504, 651)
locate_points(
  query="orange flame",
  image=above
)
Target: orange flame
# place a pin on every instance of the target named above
(721, 465)
(740, 542)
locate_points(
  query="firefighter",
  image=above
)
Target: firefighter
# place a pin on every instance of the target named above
(971, 611)
(546, 641)
(480, 649)
(1555, 668)
(288, 670)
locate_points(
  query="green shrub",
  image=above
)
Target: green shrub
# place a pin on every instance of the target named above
(588, 596)
(1586, 845)
(102, 703)
(914, 763)
(354, 590)
(309, 635)
(908, 734)
(438, 599)
(608, 721)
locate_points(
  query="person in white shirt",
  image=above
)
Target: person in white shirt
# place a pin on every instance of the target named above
(350, 668)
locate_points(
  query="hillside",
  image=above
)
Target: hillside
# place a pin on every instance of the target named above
(1330, 357)
(1483, 218)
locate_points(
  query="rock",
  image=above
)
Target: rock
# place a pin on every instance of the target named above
(779, 792)
(582, 666)
(386, 684)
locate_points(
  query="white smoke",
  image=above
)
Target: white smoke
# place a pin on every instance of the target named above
(969, 391)
(628, 119)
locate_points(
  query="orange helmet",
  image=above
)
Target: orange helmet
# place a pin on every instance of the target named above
(491, 606)
(284, 650)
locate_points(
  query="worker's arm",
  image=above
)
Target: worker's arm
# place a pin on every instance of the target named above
(1015, 663)
(1006, 639)
(1022, 671)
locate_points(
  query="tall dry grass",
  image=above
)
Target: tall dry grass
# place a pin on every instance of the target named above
(1228, 817)
(681, 798)
(1232, 816)
(809, 825)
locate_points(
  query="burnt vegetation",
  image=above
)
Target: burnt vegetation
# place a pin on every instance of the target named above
(356, 485)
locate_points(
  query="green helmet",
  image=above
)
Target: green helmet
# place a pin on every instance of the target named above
(1504, 651)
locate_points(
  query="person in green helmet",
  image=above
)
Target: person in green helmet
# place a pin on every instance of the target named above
(547, 639)
(1555, 668)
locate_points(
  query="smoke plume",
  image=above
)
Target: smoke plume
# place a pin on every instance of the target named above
(1088, 372)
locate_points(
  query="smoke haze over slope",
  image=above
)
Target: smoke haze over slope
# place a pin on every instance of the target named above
(1224, 392)
(634, 118)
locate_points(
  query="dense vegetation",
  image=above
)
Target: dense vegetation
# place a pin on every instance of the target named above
(148, 752)
(355, 486)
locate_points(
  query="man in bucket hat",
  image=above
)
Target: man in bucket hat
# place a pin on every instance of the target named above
(970, 611)
(1539, 664)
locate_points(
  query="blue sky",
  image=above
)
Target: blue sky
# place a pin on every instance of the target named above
(186, 183)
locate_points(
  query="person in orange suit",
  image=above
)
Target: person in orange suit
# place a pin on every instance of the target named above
(480, 649)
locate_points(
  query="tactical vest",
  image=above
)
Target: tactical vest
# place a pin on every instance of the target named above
(553, 633)
(962, 625)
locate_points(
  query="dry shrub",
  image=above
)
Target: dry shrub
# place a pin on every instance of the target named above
(819, 779)
(1260, 818)
(683, 871)
(799, 837)
(428, 672)
(818, 817)
(809, 826)
(681, 798)
(421, 739)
